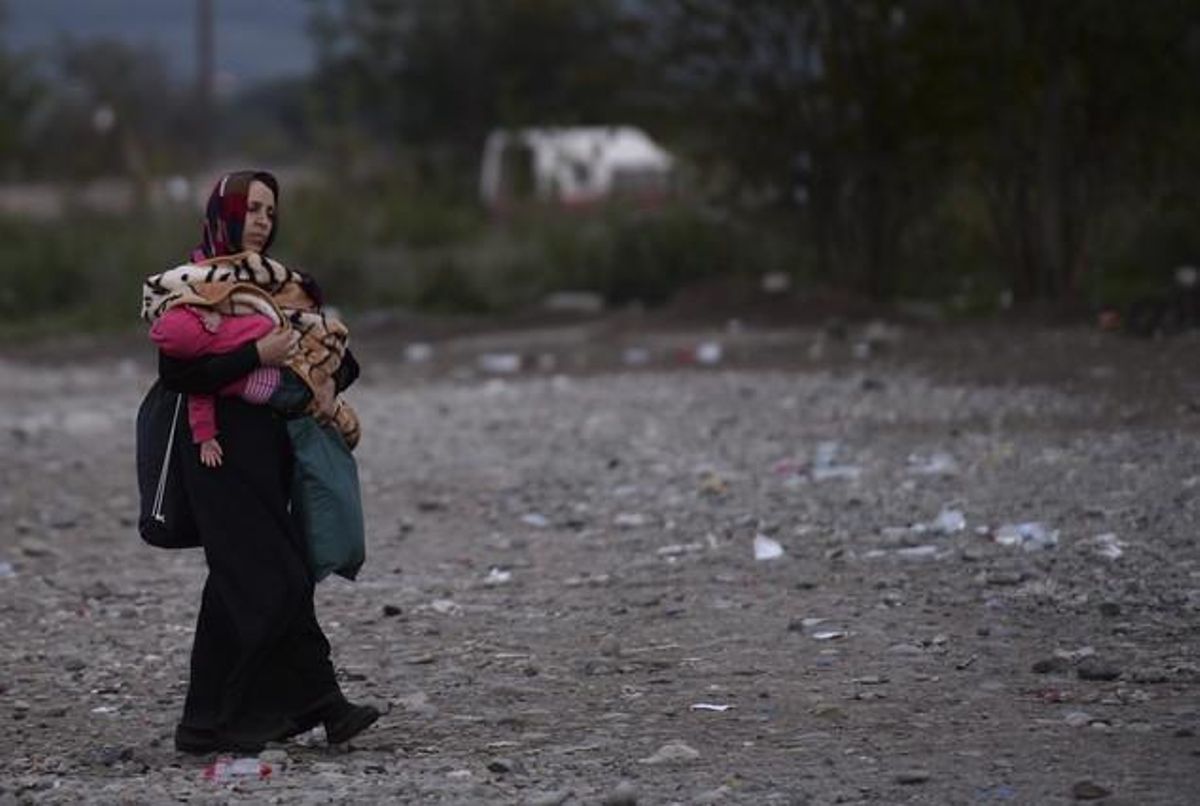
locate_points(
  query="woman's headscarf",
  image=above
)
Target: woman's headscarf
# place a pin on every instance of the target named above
(225, 215)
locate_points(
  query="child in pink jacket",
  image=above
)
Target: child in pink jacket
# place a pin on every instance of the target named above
(190, 332)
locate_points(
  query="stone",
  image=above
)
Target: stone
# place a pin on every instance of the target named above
(623, 794)
(910, 777)
(1110, 609)
(390, 610)
(1087, 790)
(1052, 665)
(713, 795)
(1097, 670)
(672, 753)
(503, 766)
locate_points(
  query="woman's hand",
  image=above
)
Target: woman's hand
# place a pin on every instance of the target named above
(276, 347)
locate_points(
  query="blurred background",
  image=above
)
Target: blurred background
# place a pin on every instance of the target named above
(955, 157)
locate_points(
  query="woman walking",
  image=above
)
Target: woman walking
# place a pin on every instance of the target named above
(260, 667)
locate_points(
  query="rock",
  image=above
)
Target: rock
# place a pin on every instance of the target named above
(97, 590)
(609, 646)
(37, 549)
(554, 798)
(909, 777)
(829, 711)
(1087, 790)
(74, 665)
(1004, 578)
(623, 794)
(1097, 670)
(390, 610)
(1053, 665)
(504, 766)
(275, 756)
(1078, 719)
(713, 795)
(1110, 609)
(672, 752)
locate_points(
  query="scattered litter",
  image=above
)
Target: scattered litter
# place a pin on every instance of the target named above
(948, 522)
(938, 463)
(630, 520)
(105, 709)
(1032, 536)
(536, 520)
(766, 549)
(708, 353)
(7, 571)
(418, 353)
(1107, 545)
(1002, 792)
(500, 363)
(829, 635)
(675, 549)
(824, 468)
(635, 356)
(498, 576)
(918, 552)
(708, 706)
(446, 607)
(713, 485)
(225, 769)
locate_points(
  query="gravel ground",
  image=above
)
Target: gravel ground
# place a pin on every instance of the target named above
(986, 590)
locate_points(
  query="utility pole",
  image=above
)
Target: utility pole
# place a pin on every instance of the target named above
(205, 70)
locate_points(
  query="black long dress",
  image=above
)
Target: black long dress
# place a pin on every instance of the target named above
(260, 667)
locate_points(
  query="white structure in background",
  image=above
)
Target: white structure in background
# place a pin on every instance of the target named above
(572, 166)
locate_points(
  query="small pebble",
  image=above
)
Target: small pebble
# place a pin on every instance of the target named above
(1087, 790)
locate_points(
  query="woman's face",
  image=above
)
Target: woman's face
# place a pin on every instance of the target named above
(260, 217)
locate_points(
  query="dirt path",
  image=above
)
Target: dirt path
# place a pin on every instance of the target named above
(562, 568)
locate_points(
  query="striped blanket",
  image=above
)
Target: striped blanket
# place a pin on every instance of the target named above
(251, 283)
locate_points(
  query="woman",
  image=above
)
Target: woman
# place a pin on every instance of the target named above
(260, 668)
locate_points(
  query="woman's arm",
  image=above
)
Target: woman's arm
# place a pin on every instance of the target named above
(207, 374)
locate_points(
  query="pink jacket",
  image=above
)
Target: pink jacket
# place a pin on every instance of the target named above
(182, 333)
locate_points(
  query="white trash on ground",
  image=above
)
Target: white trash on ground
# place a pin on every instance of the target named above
(1031, 536)
(766, 549)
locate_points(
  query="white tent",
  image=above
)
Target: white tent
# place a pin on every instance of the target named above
(571, 166)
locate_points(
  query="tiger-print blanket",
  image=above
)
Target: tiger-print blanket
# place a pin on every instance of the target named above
(251, 283)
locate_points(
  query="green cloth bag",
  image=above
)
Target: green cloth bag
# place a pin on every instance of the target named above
(326, 500)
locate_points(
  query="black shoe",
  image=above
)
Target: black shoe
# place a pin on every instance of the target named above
(349, 722)
(201, 741)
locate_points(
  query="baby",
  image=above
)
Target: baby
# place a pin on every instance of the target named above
(189, 331)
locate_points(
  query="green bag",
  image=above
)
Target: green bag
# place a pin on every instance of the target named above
(326, 501)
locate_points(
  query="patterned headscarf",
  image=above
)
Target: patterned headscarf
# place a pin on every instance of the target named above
(226, 215)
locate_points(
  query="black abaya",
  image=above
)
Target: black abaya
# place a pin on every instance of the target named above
(260, 665)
